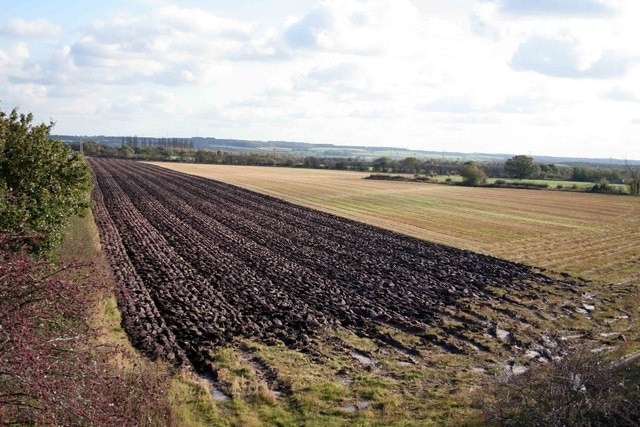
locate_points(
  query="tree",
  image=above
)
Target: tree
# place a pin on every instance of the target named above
(521, 166)
(91, 148)
(472, 174)
(42, 182)
(382, 164)
(311, 162)
(410, 165)
(126, 151)
(633, 180)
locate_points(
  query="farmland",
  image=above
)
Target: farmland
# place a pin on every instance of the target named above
(587, 235)
(300, 315)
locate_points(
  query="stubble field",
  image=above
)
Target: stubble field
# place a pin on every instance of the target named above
(302, 317)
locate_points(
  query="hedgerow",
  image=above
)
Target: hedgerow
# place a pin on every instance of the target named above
(52, 368)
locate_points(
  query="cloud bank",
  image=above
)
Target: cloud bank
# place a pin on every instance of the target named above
(550, 76)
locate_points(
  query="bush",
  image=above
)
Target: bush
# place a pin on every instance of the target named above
(42, 183)
(472, 174)
(580, 389)
(52, 372)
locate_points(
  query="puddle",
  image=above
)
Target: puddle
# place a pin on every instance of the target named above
(519, 369)
(475, 347)
(218, 395)
(502, 334)
(571, 337)
(531, 354)
(615, 319)
(362, 358)
(359, 406)
(514, 369)
(550, 343)
(601, 349)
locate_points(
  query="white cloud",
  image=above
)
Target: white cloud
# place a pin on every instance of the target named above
(583, 8)
(429, 75)
(36, 29)
(558, 58)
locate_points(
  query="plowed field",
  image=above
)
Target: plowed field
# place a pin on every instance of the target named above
(201, 263)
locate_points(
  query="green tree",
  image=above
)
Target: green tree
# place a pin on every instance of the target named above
(42, 182)
(410, 165)
(633, 180)
(126, 151)
(472, 174)
(382, 164)
(311, 162)
(521, 166)
(91, 148)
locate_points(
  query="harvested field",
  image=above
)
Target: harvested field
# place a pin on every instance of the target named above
(202, 264)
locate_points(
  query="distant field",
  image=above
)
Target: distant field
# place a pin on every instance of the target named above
(589, 235)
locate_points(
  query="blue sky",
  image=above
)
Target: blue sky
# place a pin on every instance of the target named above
(554, 77)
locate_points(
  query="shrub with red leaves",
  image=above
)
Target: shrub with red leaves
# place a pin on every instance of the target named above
(51, 369)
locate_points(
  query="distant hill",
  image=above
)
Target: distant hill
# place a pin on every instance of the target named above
(305, 149)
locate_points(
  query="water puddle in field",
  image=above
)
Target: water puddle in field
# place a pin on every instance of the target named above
(532, 354)
(359, 406)
(502, 334)
(519, 369)
(601, 349)
(217, 394)
(514, 369)
(367, 361)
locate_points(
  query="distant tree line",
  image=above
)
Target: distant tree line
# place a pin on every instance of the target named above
(136, 141)
(473, 173)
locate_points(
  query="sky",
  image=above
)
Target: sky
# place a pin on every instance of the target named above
(544, 77)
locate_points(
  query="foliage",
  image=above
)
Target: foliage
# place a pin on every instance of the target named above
(591, 174)
(633, 180)
(52, 372)
(473, 174)
(410, 165)
(126, 152)
(521, 167)
(603, 187)
(382, 164)
(581, 389)
(42, 183)
(91, 148)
